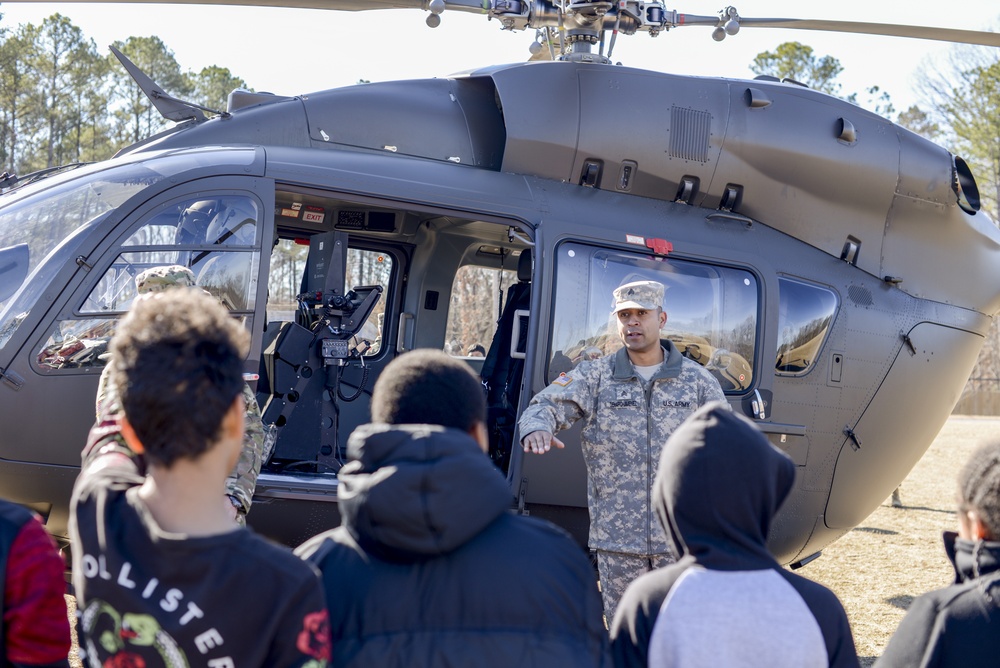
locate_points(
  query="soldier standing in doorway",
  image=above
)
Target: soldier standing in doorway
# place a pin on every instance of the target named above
(630, 402)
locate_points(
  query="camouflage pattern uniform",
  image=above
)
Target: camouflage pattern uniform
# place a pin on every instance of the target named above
(241, 482)
(626, 423)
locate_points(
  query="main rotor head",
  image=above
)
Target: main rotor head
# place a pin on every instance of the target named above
(574, 27)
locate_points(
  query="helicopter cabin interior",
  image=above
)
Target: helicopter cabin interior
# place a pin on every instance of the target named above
(459, 276)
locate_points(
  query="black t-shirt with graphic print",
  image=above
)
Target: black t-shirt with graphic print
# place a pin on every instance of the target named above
(147, 597)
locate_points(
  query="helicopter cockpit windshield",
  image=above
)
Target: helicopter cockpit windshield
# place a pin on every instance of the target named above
(45, 222)
(42, 224)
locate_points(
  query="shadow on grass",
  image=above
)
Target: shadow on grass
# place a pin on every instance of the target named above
(946, 511)
(902, 602)
(882, 532)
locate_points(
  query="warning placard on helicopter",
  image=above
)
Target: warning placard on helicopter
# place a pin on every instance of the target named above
(290, 211)
(314, 214)
(635, 239)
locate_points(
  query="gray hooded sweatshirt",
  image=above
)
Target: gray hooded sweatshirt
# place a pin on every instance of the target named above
(726, 602)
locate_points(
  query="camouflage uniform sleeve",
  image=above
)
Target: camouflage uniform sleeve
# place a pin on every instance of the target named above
(567, 399)
(711, 390)
(107, 397)
(241, 482)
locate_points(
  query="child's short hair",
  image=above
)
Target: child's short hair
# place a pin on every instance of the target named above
(979, 486)
(429, 387)
(177, 361)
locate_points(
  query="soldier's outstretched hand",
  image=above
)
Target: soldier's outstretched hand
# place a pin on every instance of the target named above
(540, 442)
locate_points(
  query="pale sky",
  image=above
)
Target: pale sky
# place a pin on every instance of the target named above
(293, 51)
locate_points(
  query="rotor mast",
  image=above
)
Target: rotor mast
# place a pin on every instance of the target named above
(582, 24)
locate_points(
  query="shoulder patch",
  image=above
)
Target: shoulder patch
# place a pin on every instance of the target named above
(562, 380)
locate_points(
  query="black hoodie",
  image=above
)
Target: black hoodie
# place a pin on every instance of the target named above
(430, 569)
(957, 625)
(726, 602)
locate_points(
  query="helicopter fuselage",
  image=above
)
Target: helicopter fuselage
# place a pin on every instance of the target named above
(829, 267)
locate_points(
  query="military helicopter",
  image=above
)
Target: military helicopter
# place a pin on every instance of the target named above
(832, 269)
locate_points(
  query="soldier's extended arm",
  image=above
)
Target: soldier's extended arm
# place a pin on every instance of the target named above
(567, 399)
(105, 436)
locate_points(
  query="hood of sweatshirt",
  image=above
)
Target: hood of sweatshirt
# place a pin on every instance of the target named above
(971, 559)
(717, 489)
(409, 492)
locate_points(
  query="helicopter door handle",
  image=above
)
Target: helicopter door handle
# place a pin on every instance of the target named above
(404, 334)
(759, 408)
(520, 324)
(11, 379)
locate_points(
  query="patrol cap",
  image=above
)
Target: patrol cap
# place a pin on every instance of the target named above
(158, 279)
(646, 295)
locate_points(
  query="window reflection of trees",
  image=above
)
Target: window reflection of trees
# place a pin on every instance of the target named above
(228, 277)
(116, 289)
(154, 235)
(804, 318)
(711, 310)
(477, 294)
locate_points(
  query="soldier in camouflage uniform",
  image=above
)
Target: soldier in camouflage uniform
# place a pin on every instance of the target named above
(630, 402)
(241, 482)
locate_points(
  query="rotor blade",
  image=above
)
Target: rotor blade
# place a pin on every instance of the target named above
(340, 5)
(888, 29)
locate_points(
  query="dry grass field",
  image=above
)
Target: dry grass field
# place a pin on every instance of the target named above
(896, 553)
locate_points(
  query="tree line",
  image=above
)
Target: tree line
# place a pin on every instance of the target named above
(63, 101)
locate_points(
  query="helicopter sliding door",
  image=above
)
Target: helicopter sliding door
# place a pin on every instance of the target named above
(711, 309)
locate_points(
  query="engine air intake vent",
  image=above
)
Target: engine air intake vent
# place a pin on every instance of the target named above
(689, 134)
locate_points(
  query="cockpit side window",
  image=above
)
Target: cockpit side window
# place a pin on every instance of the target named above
(203, 235)
(805, 314)
(214, 237)
(712, 311)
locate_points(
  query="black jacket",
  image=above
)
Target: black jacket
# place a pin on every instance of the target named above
(726, 602)
(958, 625)
(430, 569)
